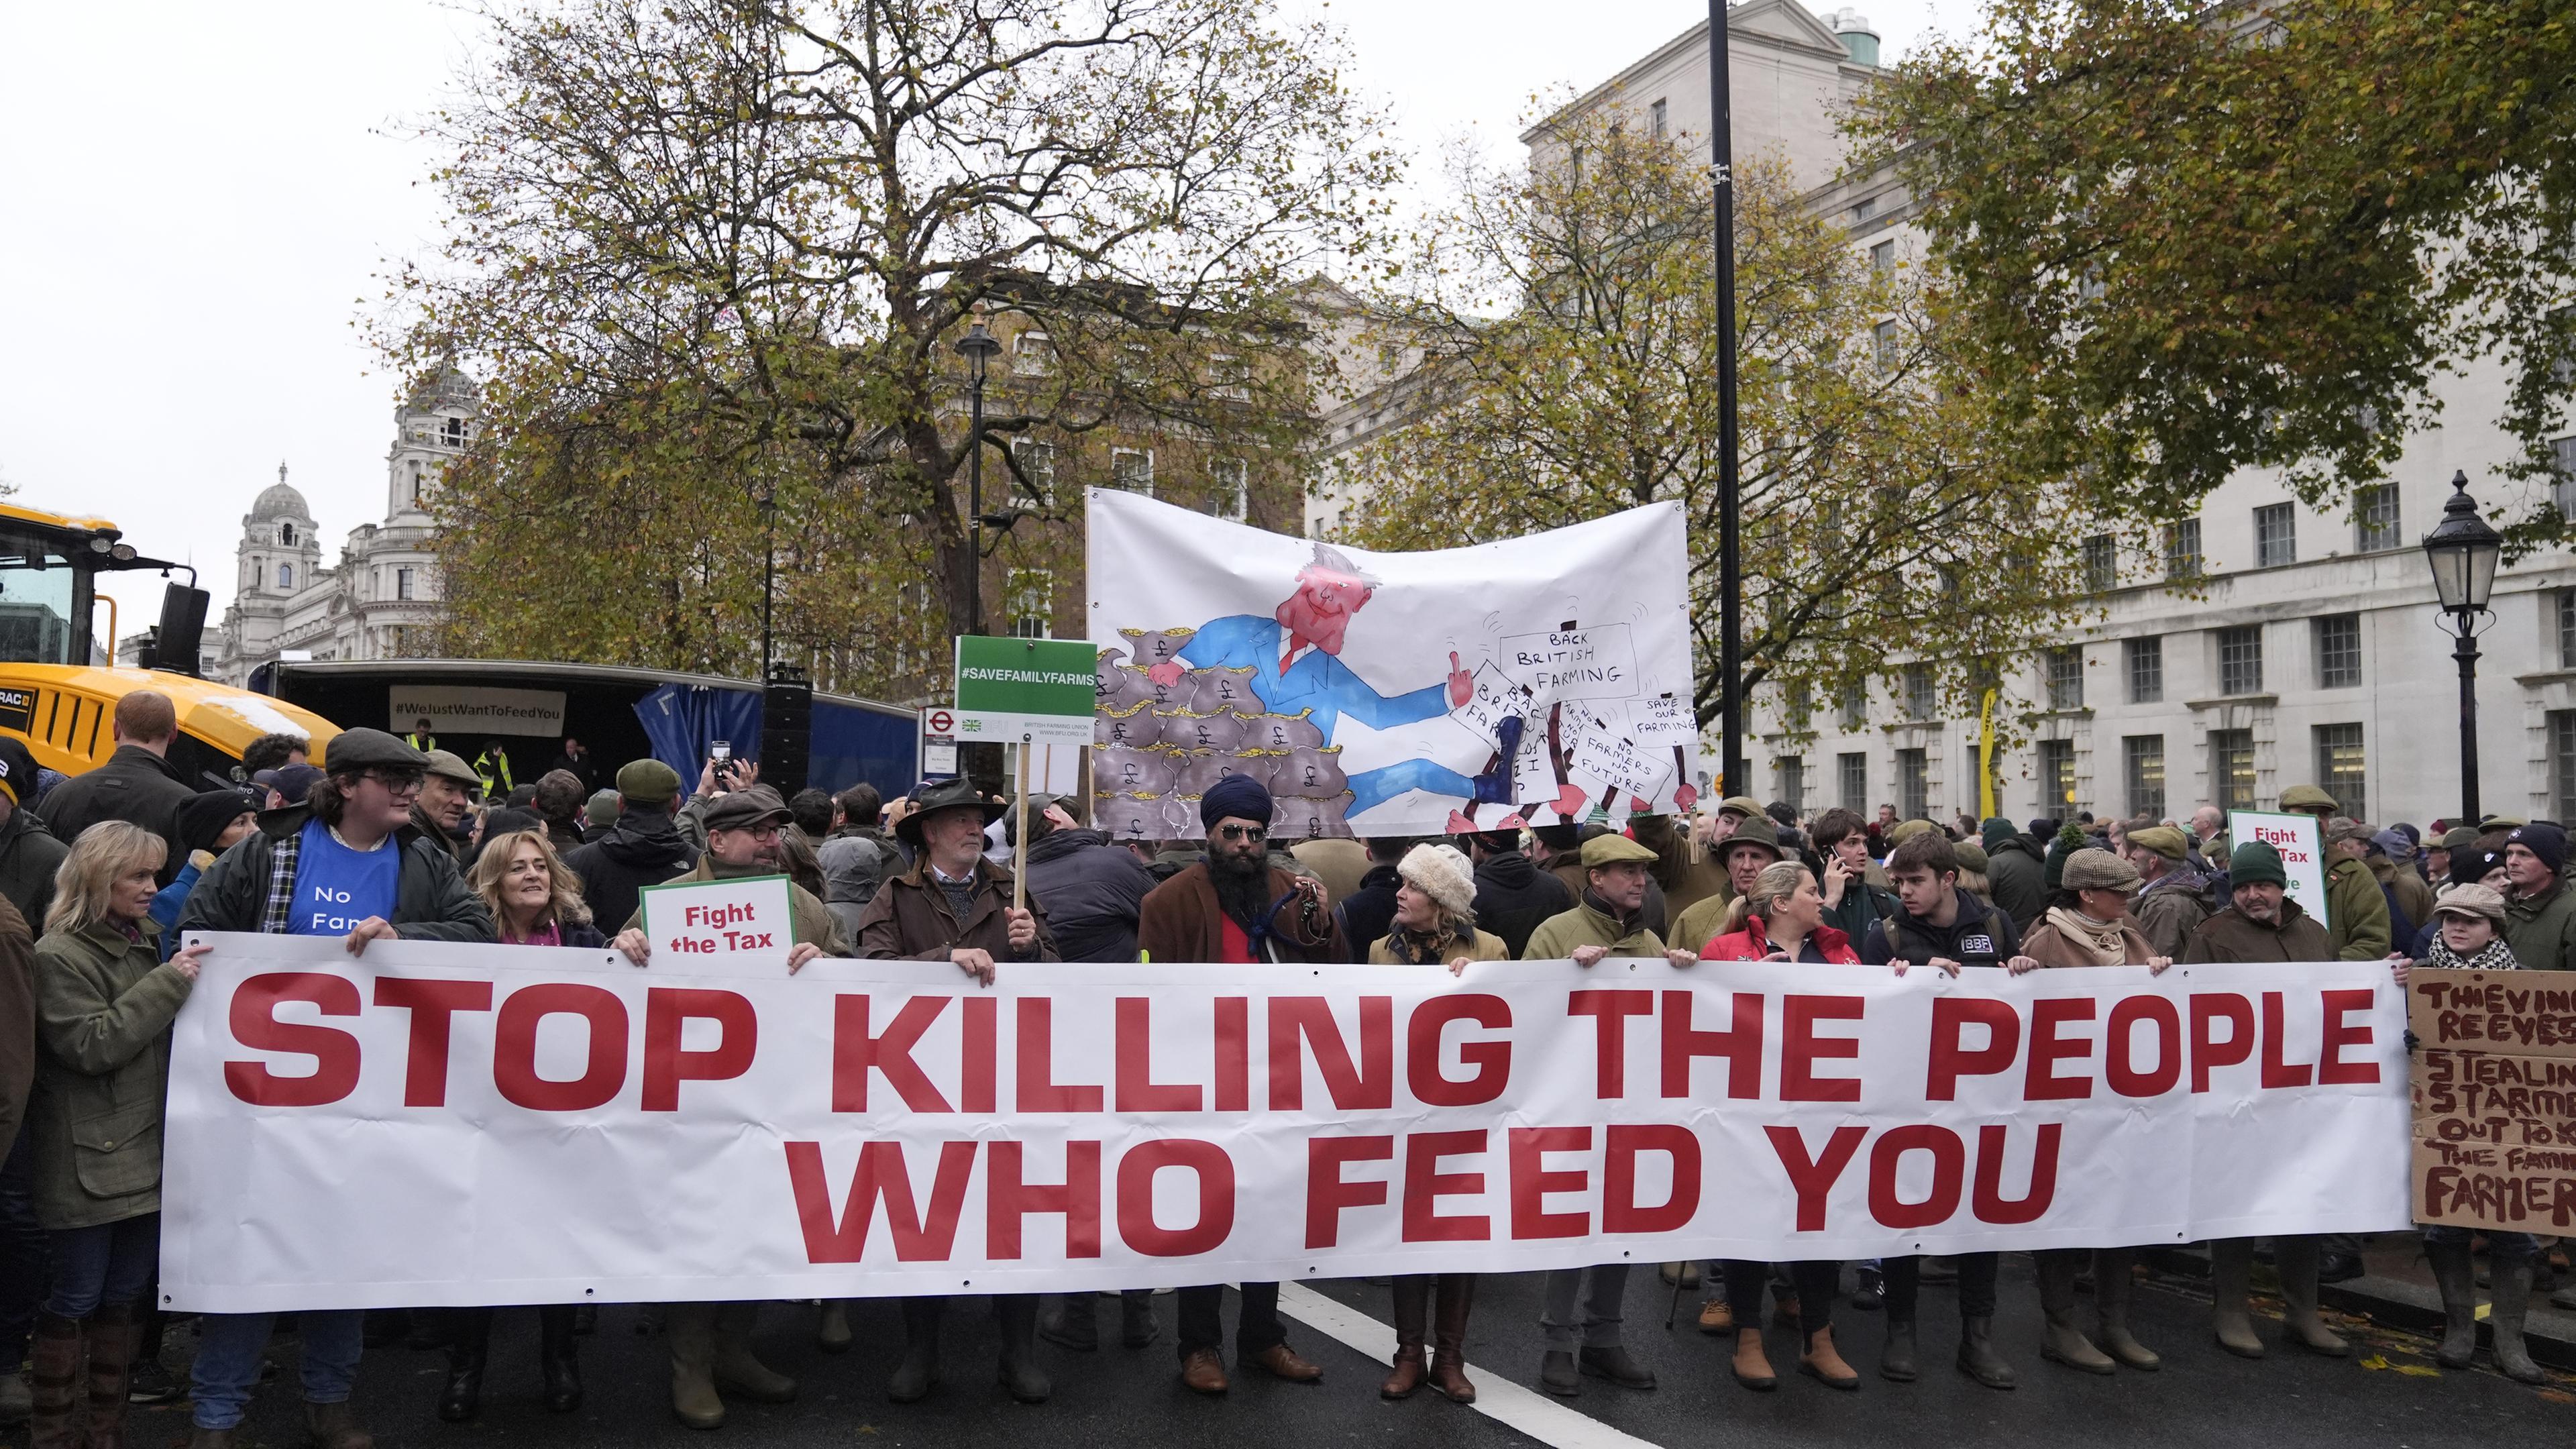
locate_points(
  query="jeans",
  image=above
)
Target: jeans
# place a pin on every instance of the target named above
(26, 1249)
(1256, 1321)
(107, 1265)
(2502, 1247)
(1817, 1284)
(1976, 1285)
(1585, 1304)
(229, 1346)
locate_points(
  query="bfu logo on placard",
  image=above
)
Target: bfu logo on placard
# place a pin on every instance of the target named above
(328, 920)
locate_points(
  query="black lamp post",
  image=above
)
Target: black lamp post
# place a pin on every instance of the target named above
(978, 346)
(1730, 563)
(2463, 551)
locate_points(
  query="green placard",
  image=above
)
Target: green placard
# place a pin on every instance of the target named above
(1039, 689)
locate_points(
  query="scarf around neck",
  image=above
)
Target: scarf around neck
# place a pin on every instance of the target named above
(2497, 955)
(2104, 945)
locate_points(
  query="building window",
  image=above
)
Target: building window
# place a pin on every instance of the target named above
(1913, 785)
(1132, 469)
(1882, 258)
(1033, 354)
(2182, 549)
(2276, 538)
(418, 484)
(2339, 767)
(286, 576)
(1851, 783)
(2240, 660)
(2566, 600)
(2146, 671)
(2144, 756)
(1883, 341)
(1232, 489)
(1037, 465)
(2562, 763)
(1919, 701)
(2374, 518)
(2562, 487)
(1855, 709)
(2338, 639)
(452, 432)
(2231, 769)
(402, 583)
(1230, 377)
(1032, 602)
(2057, 777)
(286, 534)
(1792, 773)
(2066, 678)
(1865, 208)
(1659, 118)
(2101, 564)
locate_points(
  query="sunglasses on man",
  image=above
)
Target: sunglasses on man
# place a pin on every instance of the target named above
(1243, 832)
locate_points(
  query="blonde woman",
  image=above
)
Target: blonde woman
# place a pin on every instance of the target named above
(104, 1003)
(534, 898)
(1435, 921)
(535, 901)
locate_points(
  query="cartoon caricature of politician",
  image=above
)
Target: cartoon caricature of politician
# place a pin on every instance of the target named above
(1295, 658)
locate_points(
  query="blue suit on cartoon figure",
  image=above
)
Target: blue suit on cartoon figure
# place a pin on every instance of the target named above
(1318, 681)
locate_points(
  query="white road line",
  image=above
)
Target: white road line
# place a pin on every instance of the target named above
(1497, 1397)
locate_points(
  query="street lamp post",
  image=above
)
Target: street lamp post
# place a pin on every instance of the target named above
(1730, 565)
(978, 346)
(2463, 551)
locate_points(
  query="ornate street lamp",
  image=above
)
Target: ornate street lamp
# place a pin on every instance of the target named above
(2463, 551)
(978, 346)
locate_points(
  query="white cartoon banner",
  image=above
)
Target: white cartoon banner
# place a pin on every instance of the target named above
(1534, 680)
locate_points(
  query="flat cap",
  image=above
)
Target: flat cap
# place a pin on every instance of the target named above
(2459, 837)
(2164, 840)
(447, 766)
(2471, 899)
(1740, 804)
(1905, 830)
(1611, 848)
(649, 781)
(744, 809)
(365, 749)
(2308, 797)
(2098, 870)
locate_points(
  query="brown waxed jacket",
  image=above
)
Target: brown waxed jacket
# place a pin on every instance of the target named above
(909, 919)
(1181, 921)
(2231, 935)
(17, 1019)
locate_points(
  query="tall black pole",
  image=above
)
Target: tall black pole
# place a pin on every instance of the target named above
(2466, 652)
(975, 509)
(1730, 563)
(768, 571)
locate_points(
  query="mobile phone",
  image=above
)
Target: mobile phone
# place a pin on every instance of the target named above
(720, 750)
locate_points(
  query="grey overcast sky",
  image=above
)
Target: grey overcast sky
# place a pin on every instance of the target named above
(195, 203)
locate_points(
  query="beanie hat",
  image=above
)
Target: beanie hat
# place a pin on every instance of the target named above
(17, 771)
(2098, 870)
(2164, 840)
(2394, 845)
(2544, 840)
(648, 782)
(1238, 796)
(1995, 830)
(1440, 872)
(2256, 863)
(202, 818)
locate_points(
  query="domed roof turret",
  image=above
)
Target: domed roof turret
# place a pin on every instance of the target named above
(279, 501)
(449, 388)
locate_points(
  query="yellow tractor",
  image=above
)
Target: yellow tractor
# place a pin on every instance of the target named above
(59, 701)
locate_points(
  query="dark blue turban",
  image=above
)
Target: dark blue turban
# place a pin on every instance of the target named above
(1239, 796)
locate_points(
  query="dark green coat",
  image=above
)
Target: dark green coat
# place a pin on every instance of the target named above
(29, 856)
(103, 1010)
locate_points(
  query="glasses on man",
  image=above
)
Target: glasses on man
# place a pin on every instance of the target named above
(1243, 832)
(397, 781)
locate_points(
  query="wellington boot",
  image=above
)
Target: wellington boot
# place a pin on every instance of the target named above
(114, 1333)
(832, 1327)
(1752, 1365)
(690, 1328)
(2061, 1341)
(57, 1377)
(2455, 1273)
(1977, 1356)
(335, 1426)
(1896, 1359)
(2114, 1282)
(1072, 1321)
(2512, 1303)
(558, 1360)
(2296, 1258)
(737, 1368)
(1411, 1364)
(1016, 1314)
(1557, 1373)
(1449, 1338)
(469, 1342)
(2231, 1286)
(1823, 1363)
(1137, 1325)
(918, 1372)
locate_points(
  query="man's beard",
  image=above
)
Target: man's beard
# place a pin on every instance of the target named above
(1242, 886)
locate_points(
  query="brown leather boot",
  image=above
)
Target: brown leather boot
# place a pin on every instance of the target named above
(1406, 1375)
(1412, 1328)
(1449, 1339)
(1824, 1363)
(113, 1333)
(1752, 1365)
(54, 1375)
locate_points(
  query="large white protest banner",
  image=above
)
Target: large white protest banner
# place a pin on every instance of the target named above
(441, 1124)
(1388, 693)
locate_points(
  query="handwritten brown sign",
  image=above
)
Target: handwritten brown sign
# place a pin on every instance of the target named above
(2495, 1098)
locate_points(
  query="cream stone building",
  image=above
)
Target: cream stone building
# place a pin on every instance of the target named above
(384, 586)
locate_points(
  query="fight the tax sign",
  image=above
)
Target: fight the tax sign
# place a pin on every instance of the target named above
(2303, 857)
(1040, 690)
(750, 919)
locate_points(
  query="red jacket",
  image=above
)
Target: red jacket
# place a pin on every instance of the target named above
(1750, 944)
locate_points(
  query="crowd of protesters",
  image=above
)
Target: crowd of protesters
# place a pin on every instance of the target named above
(103, 874)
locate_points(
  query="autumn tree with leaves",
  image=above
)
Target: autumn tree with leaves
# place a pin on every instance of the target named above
(710, 258)
(1565, 317)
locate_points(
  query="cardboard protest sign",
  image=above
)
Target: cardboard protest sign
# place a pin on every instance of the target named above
(751, 918)
(2495, 1098)
(2299, 838)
